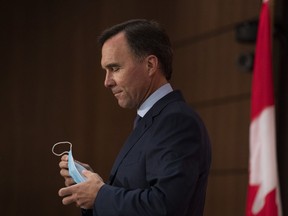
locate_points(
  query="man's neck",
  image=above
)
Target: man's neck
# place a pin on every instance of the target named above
(153, 98)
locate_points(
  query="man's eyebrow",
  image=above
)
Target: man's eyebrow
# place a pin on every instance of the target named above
(111, 65)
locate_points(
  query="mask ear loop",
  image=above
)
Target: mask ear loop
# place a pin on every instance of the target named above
(60, 143)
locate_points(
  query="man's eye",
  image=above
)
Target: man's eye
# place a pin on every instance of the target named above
(114, 69)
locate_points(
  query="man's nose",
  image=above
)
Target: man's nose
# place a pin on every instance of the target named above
(109, 82)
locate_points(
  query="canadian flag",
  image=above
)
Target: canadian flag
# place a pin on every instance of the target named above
(263, 197)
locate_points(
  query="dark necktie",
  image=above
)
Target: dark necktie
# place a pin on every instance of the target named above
(137, 120)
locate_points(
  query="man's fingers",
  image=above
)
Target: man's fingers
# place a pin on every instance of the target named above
(62, 192)
(66, 191)
(64, 157)
(85, 165)
(64, 173)
(69, 195)
(68, 200)
(63, 164)
(69, 181)
(89, 174)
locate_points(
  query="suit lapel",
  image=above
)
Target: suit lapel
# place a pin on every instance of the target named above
(130, 142)
(143, 126)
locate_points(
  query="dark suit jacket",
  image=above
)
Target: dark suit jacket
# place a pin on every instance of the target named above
(163, 167)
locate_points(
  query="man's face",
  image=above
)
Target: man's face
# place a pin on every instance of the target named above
(126, 75)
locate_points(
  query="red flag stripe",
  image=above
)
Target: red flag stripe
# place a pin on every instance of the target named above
(262, 86)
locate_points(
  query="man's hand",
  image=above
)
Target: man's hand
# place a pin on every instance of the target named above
(63, 164)
(82, 194)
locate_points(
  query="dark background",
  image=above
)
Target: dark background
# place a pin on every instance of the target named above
(51, 90)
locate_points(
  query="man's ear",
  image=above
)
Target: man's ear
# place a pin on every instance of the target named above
(152, 64)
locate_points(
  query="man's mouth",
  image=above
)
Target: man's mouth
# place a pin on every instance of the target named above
(116, 93)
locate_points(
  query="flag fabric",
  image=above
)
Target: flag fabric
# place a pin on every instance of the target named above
(263, 197)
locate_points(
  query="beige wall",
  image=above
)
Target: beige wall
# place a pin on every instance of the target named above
(52, 90)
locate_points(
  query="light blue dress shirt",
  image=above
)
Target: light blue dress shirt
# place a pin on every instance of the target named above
(153, 98)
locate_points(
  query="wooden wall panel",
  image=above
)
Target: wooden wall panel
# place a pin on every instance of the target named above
(189, 18)
(228, 125)
(226, 195)
(52, 90)
(208, 69)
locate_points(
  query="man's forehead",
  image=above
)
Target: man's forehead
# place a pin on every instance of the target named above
(114, 47)
(116, 39)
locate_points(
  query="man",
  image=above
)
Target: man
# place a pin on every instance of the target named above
(163, 167)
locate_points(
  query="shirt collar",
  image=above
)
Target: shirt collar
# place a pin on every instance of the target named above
(153, 98)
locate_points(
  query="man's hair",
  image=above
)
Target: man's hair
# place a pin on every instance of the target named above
(144, 38)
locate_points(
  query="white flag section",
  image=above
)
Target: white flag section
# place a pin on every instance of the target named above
(263, 181)
(263, 198)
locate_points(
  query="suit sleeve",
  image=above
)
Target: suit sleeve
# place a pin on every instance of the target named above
(173, 166)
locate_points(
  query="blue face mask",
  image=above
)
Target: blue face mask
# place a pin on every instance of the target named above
(74, 168)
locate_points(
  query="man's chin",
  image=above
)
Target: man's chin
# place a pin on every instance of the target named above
(121, 104)
(125, 105)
